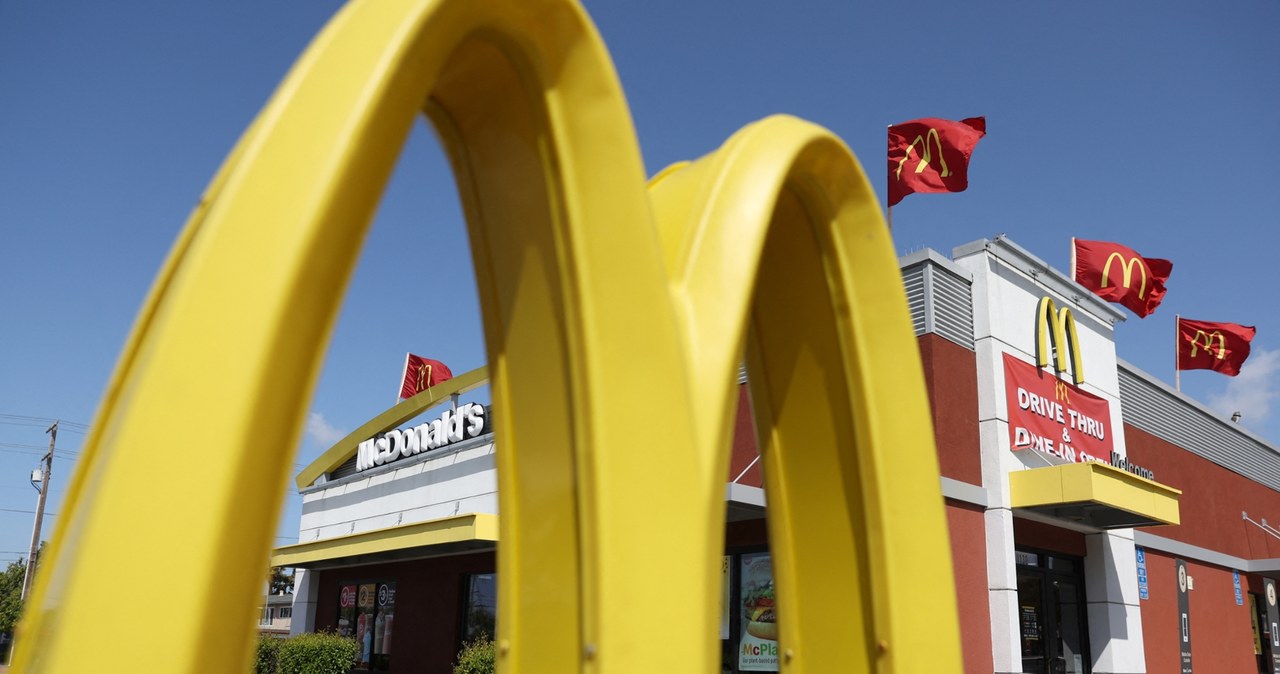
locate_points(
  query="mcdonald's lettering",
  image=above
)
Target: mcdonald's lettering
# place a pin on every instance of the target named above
(468, 421)
(923, 142)
(1134, 261)
(1055, 336)
(1207, 339)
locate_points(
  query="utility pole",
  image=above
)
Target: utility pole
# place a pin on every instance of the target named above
(35, 532)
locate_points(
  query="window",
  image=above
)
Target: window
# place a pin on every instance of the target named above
(366, 611)
(267, 614)
(481, 610)
(284, 613)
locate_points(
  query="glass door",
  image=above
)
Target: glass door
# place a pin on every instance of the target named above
(1051, 614)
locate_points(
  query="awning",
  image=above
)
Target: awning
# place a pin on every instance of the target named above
(1094, 494)
(447, 536)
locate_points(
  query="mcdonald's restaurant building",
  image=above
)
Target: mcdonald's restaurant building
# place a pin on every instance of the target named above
(1100, 521)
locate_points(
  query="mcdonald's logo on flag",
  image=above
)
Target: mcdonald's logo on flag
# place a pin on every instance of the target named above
(421, 374)
(1206, 345)
(1118, 274)
(931, 155)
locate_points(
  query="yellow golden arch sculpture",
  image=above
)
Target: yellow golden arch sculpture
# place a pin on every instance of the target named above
(607, 309)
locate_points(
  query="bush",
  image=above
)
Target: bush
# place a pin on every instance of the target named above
(477, 656)
(306, 654)
(268, 648)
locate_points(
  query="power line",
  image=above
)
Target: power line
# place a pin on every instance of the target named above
(25, 512)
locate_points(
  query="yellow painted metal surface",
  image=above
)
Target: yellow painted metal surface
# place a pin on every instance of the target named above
(607, 313)
(776, 241)
(1056, 336)
(1096, 483)
(456, 529)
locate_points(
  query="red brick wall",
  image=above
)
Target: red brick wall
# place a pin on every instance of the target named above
(951, 378)
(969, 561)
(744, 445)
(429, 596)
(1221, 633)
(1212, 499)
(1031, 534)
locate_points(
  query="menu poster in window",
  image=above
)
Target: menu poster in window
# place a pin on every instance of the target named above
(758, 645)
(365, 605)
(386, 616)
(1273, 624)
(347, 610)
(725, 577)
(1030, 620)
(1184, 616)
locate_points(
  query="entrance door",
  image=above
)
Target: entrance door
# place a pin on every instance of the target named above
(1051, 610)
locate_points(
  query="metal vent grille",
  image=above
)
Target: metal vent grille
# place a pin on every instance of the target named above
(1153, 408)
(941, 301)
(347, 468)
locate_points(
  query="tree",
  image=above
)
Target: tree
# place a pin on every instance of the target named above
(281, 582)
(11, 595)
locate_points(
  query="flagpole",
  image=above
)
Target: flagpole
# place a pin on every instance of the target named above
(1177, 344)
(1074, 277)
(890, 219)
(403, 373)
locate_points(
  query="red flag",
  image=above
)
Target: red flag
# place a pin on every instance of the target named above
(931, 155)
(421, 374)
(1206, 345)
(1117, 274)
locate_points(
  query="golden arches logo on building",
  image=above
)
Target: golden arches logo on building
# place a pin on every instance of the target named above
(1127, 276)
(1206, 338)
(926, 156)
(1055, 337)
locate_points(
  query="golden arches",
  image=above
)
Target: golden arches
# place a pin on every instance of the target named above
(1207, 338)
(1128, 272)
(573, 284)
(776, 239)
(923, 141)
(1055, 337)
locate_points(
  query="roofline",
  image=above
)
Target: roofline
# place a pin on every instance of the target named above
(397, 414)
(1023, 260)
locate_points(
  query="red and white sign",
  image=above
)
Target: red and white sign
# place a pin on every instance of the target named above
(348, 596)
(1053, 416)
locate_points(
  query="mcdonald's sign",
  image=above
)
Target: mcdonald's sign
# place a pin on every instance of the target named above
(591, 333)
(940, 149)
(1056, 337)
(923, 158)
(1053, 417)
(1207, 340)
(1211, 345)
(1137, 282)
(1128, 267)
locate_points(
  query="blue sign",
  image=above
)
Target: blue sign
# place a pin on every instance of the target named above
(1235, 579)
(1141, 556)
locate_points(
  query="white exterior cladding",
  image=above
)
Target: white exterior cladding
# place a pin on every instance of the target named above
(1008, 283)
(457, 479)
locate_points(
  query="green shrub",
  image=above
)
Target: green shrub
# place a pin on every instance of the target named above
(323, 653)
(476, 657)
(268, 647)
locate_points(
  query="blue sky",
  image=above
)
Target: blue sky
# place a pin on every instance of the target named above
(1154, 124)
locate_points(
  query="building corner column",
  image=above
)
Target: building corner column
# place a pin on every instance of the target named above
(1115, 617)
(306, 593)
